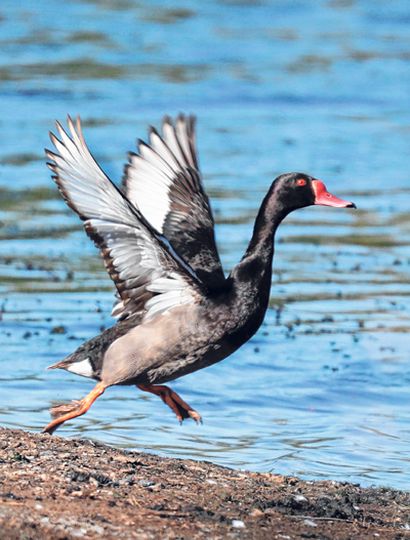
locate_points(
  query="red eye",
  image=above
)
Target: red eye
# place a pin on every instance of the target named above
(301, 182)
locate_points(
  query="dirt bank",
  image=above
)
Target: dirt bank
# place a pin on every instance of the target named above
(54, 488)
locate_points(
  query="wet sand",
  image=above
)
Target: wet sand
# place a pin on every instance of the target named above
(55, 488)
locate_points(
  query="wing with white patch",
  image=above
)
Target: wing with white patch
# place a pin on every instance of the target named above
(150, 277)
(164, 182)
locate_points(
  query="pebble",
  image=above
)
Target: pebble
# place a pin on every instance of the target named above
(78, 532)
(238, 524)
(97, 529)
(309, 523)
(146, 483)
(299, 498)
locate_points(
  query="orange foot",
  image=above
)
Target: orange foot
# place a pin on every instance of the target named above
(173, 400)
(72, 410)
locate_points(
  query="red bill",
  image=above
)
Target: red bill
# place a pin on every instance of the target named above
(323, 197)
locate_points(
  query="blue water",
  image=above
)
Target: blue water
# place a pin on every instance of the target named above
(322, 391)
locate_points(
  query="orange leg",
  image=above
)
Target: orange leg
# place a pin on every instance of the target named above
(74, 409)
(173, 400)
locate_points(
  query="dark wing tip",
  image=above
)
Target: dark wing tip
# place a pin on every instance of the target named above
(166, 119)
(141, 142)
(50, 154)
(153, 131)
(53, 138)
(52, 167)
(60, 128)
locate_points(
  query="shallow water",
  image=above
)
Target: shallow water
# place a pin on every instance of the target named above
(322, 390)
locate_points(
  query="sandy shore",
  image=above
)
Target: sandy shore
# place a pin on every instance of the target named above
(55, 488)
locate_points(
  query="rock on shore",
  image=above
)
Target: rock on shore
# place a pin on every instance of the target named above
(55, 488)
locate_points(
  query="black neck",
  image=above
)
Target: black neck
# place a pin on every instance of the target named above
(256, 264)
(270, 215)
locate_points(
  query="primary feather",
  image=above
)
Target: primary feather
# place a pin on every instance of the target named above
(149, 275)
(164, 181)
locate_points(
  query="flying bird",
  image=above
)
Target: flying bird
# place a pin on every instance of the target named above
(177, 312)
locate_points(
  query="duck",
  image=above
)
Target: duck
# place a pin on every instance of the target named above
(176, 310)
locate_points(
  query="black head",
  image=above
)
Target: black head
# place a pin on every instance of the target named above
(297, 190)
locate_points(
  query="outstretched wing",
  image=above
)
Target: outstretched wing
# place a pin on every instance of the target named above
(164, 182)
(150, 277)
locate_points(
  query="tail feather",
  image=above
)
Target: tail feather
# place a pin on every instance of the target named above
(58, 365)
(64, 408)
(68, 360)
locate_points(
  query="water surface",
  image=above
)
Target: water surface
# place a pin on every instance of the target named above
(322, 390)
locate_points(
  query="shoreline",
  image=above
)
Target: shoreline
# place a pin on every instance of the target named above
(55, 488)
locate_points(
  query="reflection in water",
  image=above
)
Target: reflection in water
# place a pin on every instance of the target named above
(322, 389)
